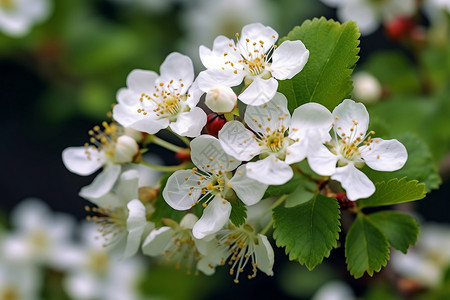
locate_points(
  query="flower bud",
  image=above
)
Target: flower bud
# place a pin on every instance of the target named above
(221, 99)
(214, 123)
(126, 149)
(367, 89)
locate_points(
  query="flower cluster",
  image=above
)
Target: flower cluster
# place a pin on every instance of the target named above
(231, 171)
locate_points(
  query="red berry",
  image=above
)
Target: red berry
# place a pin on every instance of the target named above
(183, 156)
(344, 202)
(400, 28)
(214, 123)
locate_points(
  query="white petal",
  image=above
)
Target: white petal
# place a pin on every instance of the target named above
(214, 217)
(208, 155)
(157, 241)
(102, 184)
(296, 152)
(188, 221)
(76, 160)
(176, 192)
(136, 222)
(356, 184)
(384, 155)
(127, 189)
(238, 141)
(347, 112)
(260, 91)
(141, 81)
(215, 58)
(129, 117)
(273, 115)
(211, 78)
(189, 123)
(310, 116)
(270, 170)
(362, 13)
(289, 59)
(322, 161)
(29, 213)
(175, 67)
(194, 94)
(248, 190)
(258, 32)
(265, 257)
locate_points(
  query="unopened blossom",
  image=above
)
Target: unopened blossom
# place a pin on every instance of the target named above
(367, 88)
(368, 14)
(121, 216)
(220, 99)
(254, 58)
(278, 139)
(211, 183)
(352, 147)
(108, 148)
(151, 102)
(18, 16)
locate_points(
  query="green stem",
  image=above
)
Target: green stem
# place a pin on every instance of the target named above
(276, 203)
(165, 144)
(164, 168)
(268, 226)
(184, 139)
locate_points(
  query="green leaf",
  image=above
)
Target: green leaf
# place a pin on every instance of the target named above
(303, 193)
(400, 229)
(366, 248)
(238, 212)
(333, 53)
(308, 231)
(287, 188)
(419, 166)
(393, 192)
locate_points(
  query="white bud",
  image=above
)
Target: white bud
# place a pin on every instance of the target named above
(221, 99)
(367, 88)
(135, 134)
(188, 221)
(126, 149)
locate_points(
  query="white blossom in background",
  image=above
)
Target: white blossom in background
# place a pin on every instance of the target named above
(95, 274)
(366, 88)
(204, 20)
(211, 183)
(334, 290)
(18, 16)
(428, 261)
(368, 14)
(435, 9)
(254, 58)
(351, 148)
(122, 216)
(19, 281)
(109, 148)
(39, 236)
(151, 102)
(310, 123)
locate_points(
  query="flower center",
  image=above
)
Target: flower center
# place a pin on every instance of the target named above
(40, 240)
(99, 261)
(7, 4)
(166, 100)
(9, 293)
(102, 140)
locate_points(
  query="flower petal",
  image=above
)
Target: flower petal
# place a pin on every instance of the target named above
(102, 184)
(141, 81)
(322, 161)
(362, 13)
(310, 116)
(273, 115)
(179, 68)
(189, 123)
(178, 191)
(346, 114)
(157, 241)
(194, 94)
(356, 184)
(296, 152)
(127, 188)
(211, 78)
(265, 257)
(257, 32)
(289, 59)
(129, 117)
(270, 171)
(384, 155)
(136, 223)
(238, 141)
(260, 91)
(207, 154)
(215, 58)
(214, 217)
(248, 190)
(77, 161)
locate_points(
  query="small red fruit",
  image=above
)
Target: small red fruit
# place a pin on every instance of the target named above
(344, 202)
(400, 28)
(183, 156)
(214, 123)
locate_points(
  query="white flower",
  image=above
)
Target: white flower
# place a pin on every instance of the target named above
(310, 123)
(211, 183)
(334, 290)
(254, 58)
(151, 103)
(19, 281)
(17, 16)
(352, 148)
(369, 13)
(122, 216)
(40, 236)
(367, 88)
(220, 99)
(108, 149)
(97, 275)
